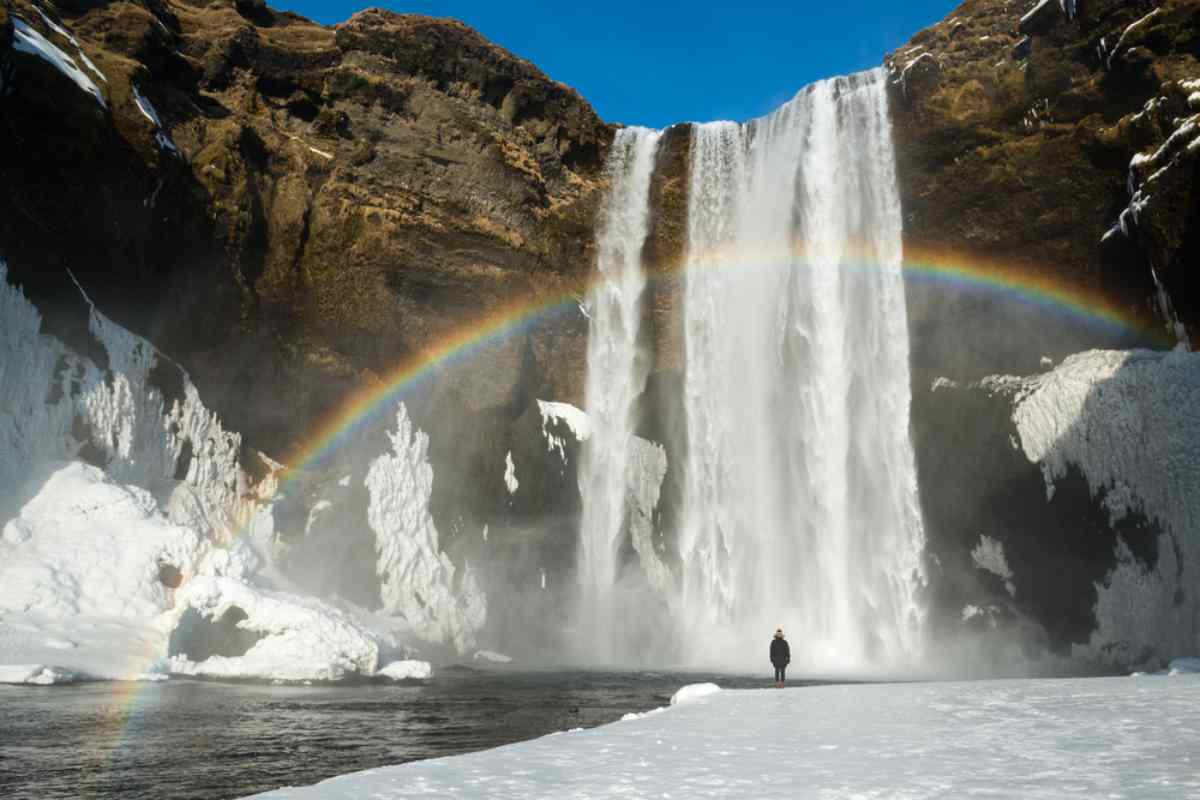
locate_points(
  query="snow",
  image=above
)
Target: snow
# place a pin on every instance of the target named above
(149, 112)
(555, 414)
(1036, 740)
(988, 556)
(28, 40)
(912, 63)
(63, 32)
(510, 474)
(84, 545)
(312, 149)
(492, 656)
(102, 561)
(54, 26)
(645, 472)
(1130, 421)
(407, 670)
(1125, 33)
(693, 692)
(35, 674)
(418, 580)
(1037, 9)
(970, 612)
(304, 639)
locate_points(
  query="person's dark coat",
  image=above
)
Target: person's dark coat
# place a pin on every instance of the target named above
(781, 654)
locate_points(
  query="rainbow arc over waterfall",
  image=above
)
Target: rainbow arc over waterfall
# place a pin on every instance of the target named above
(1018, 284)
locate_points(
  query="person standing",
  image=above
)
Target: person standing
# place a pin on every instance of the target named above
(781, 655)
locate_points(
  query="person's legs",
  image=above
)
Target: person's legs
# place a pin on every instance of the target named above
(782, 676)
(778, 675)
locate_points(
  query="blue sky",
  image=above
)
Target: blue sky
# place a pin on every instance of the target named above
(659, 63)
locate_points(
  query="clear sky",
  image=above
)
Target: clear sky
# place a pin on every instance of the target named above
(659, 63)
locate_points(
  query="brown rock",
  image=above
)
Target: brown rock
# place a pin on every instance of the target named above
(343, 200)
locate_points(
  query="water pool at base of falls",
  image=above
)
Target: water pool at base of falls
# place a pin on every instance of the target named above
(195, 740)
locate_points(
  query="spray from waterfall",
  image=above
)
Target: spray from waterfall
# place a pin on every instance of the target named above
(616, 376)
(800, 501)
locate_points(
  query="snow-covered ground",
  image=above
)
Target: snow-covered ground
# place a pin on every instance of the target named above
(1028, 739)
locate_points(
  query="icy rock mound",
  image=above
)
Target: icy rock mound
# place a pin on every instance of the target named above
(693, 691)
(299, 638)
(85, 545)
(417, 580)
(1130, 421)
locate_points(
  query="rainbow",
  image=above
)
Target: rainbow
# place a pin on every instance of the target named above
(367, 403)
(1025, 285)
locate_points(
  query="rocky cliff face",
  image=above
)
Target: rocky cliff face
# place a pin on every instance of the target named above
(1058, 137)
(291, 209)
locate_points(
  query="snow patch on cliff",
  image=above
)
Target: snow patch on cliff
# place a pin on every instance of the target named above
(510, 474)
(556, 415)
(29, 40)
(149, 112)
(647, 467)
(988, 556)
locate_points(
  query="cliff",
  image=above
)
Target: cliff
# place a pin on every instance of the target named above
(1053, 137)
(289, 209)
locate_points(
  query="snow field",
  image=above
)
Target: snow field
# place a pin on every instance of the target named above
(1029, 739)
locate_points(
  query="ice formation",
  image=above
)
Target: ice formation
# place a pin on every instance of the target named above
(1130, 421)
(555, 417)
(408, 670)
(646, 468)
(124, 510)
(616, 377)
(988, 556)
(510, 474)
(418, 580)
(302, 638)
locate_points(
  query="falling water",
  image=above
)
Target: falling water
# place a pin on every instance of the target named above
(616, 375)
(800, 502)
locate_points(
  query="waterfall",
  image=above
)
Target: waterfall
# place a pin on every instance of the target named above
(616, 376)
(800, 499)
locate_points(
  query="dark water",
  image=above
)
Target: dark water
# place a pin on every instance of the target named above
(201, 740)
